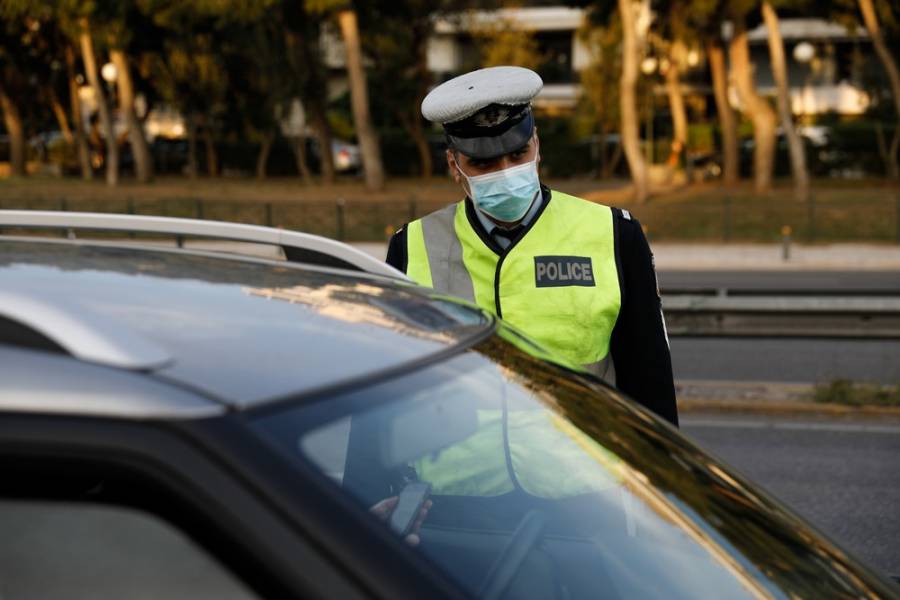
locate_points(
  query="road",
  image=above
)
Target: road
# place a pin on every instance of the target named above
(785, 360)
(874, 282)
(843, 477)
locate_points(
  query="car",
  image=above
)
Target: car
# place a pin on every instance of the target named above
(180, 422)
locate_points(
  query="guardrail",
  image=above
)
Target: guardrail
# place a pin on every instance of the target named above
(787, 315)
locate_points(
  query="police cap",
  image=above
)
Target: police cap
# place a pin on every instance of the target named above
(485, 113)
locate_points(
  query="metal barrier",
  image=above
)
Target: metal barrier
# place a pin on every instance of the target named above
(788, 315)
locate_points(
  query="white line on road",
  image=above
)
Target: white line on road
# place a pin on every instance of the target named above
(790, 426)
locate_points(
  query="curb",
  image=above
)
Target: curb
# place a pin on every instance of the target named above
(772, 398)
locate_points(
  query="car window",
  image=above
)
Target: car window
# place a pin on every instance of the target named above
(78, 551)
(523, 501)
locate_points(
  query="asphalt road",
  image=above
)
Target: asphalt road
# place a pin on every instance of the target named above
(874, 282)
(843, 477)
(785, 360)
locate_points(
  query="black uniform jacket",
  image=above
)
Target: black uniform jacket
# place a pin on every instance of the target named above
(639, 345)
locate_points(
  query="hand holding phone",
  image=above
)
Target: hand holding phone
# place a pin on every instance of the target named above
(409, 504)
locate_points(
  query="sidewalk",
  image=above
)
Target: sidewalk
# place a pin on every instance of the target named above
(754, 257)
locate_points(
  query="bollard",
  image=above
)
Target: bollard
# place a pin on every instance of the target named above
(811, 217)
(897, 210)
(339, 217)
(786, 243)
(726, 218)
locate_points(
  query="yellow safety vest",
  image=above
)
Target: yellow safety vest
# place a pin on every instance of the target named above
(558, 283)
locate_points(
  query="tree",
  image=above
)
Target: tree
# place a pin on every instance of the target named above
(628, 99)
(672, 73)
(756, 108)
(86, 42)
(189, 71)
(14, 86)
(779, 70)
(81, 146)
(302, 30)
(396, 37)
(503, 43)
(599, 105)
(348, 25)
(727, 119)
(368, 140)
(705, 19)
(873, 25)
(143, 161)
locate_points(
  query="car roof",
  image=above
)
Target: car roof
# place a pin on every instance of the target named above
(238, 330)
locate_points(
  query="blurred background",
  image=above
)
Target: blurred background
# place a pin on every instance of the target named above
(724, 122)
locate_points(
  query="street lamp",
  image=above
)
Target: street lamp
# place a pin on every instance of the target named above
(109, 72)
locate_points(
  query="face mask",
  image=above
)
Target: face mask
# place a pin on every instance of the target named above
(505, 195)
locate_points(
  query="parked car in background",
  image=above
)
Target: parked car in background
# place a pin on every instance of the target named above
(188, 423)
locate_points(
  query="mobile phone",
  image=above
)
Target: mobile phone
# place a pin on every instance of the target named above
(412, 497)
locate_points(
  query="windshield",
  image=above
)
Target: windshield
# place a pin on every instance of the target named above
(522, 501)
(535, 482)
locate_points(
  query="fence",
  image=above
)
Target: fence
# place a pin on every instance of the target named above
(826, 217)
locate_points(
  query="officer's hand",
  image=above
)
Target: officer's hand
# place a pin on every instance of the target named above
(384, 509)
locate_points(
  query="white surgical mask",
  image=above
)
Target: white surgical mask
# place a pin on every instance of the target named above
(505, 195)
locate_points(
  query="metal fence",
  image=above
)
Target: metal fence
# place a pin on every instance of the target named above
(871, 218)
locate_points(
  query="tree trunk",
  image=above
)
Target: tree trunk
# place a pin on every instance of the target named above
(727, 120)
(12, 118)
(60, 114)
(90, 67)
(314, 99)
(870, 18)
(81, 145)
(676, 105)
(143, 161)
(263, 158)
(423, 79)
(628, 100)
(368, 141)
(412, 125)
(322, 131)
(299, 146)
(192, 168)
(755, 107)
(779, 71)
(212, 157)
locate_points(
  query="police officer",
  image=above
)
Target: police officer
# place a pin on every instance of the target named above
(576, 276)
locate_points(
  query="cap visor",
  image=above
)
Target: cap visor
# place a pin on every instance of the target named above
(510, 140)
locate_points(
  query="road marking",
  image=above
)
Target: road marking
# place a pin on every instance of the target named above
(790, 426)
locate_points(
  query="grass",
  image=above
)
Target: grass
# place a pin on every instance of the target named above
(859, 211)
(844, 391)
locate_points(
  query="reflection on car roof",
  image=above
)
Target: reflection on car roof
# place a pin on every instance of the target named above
(241, 331)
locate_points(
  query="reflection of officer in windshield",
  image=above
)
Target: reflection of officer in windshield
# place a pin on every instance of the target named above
(576, 276)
